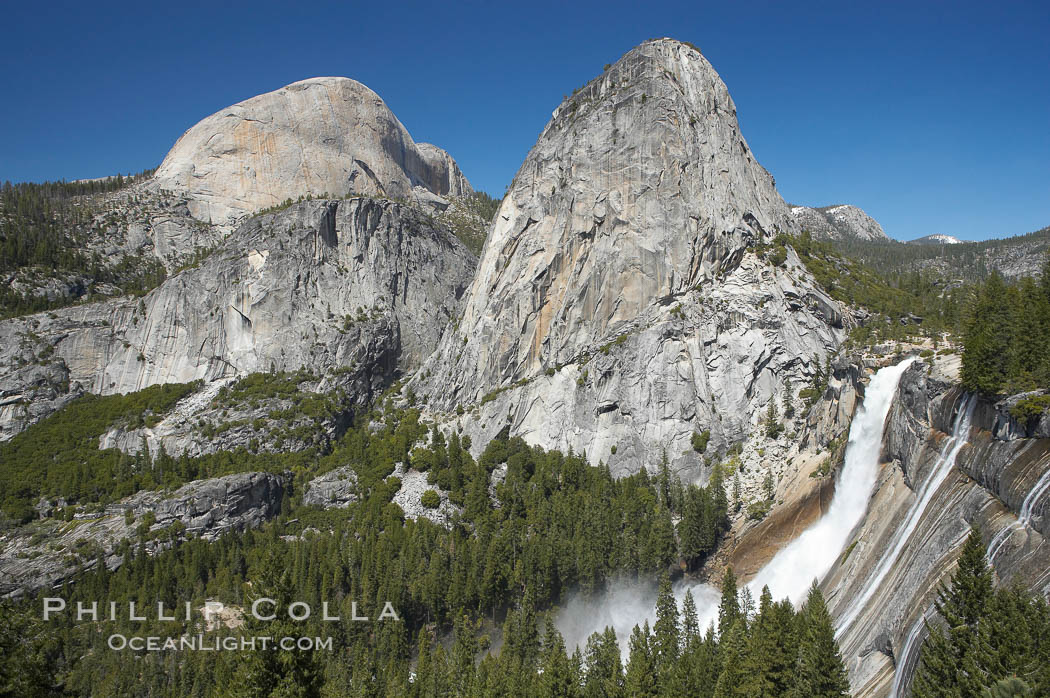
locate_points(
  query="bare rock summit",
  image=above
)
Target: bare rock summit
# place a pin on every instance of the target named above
(631, 291)
(320, 136)
(843, 222)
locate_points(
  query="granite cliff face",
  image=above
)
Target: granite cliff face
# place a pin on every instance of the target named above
(842, 222)
(354, 290)
(627, 295)
(323, 137)
(935, 484)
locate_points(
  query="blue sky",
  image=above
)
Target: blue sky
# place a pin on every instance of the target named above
(933, 117)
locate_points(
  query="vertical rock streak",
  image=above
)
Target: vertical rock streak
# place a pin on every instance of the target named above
(944, 465)
(1024, 518)
(909, 656)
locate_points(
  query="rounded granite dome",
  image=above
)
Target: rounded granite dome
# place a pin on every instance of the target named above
(325, 135)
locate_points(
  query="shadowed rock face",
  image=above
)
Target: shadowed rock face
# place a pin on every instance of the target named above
(324, 135)
(617, 280)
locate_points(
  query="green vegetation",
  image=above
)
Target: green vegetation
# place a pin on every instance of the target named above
(968, 261)
(1028, 410)
(903, 304)
(819, 385)
(1006, 342)
(557, 525)
(469, 218)
(430, 499)
(757, 510)
(985, 638)
(699, 440)
(59, 456)
(41, 228)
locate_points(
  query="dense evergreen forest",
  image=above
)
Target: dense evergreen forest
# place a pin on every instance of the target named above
(1006, 337)
(966, 261)
(984, 642)
(554, 524)
(901, 304)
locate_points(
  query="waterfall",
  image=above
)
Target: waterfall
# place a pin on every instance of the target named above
(795, 567)
(1025, 517)
(809, 557)
(945, 463)
(909, 657)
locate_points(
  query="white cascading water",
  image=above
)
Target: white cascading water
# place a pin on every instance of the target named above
(791, 572)
(945, 463)
(1042, 486)
(809, 557)
(909, 652)
(909, 656)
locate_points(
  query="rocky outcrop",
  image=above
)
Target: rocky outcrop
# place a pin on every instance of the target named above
(326, 137)
(335, 489)
(409, 497)
(919, 516)
(354, 289)
(32, 388)
(624, 298)
(842, 222)
(48, 552)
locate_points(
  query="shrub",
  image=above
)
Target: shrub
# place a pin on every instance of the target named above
(1028, 410)
(757, 511)
(430, 499)
(700, 439)
(778, 256)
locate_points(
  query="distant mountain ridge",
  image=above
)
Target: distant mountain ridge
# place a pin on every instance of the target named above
(936, 239)
(948, 257)
(839, 222)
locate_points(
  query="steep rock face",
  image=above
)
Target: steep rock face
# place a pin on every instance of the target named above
(617, 307)
(352, 290)
(320, 136)
(337, 488)
(1001, 484)
(843, 222)
(56, 550)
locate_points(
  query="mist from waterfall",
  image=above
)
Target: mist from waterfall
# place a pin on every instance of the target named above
(792, 570)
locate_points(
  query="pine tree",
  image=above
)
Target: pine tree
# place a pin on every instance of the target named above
(773, 649)
(558, 678)
(987, 339)
(604, 670)
(733, 650)
(640, 680)
(1012, 687)
(729, 609)
(690, 622)
(950, 656)
(821, 672)
(665, 633)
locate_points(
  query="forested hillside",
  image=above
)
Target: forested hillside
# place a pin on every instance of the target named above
(552, 524)
(43, 233)
(984, 641)
(1012, 257)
